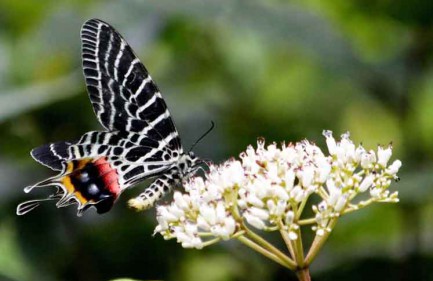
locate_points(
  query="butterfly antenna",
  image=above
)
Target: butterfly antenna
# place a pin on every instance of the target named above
(205, 134)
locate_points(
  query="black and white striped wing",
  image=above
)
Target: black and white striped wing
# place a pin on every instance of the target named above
(141, 140)
(123, 95)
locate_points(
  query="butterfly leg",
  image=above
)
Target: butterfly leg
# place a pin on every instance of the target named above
(154, 192)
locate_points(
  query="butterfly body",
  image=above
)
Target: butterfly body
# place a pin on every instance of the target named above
(139, 142)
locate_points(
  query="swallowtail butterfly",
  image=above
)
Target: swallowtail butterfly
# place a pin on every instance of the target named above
(140, 140)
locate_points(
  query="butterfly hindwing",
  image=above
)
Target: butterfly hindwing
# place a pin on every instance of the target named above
(52, 155)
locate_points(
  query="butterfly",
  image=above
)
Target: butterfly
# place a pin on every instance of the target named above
(140, 140)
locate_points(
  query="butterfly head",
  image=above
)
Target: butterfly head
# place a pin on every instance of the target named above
(189, 163)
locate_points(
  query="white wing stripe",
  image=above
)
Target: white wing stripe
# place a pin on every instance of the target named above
(54, 151)
(142, 85)
(90, 31)
(147, 104)
(112, 96)
(160, 117)
(117, 61)
(91, 60)
(107, 55)
(86, 40)
(161, 145)
(131, 67)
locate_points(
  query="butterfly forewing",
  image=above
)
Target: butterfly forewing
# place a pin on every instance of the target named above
(123, 95)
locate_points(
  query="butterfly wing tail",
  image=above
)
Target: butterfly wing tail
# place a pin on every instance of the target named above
(28, 206)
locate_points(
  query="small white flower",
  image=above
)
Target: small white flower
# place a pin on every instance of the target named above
(260, 213)
(306, 176)
(368, 159)
(366, 183)
(278, 209)
(345, 149)
(324, 169)
(375, 192)
(359, 152)
(289, 179)
(383, 155)
(322, 206)
(208, 213)
(341, 203)
(394, 167)
(165, 215)
(202, 223)
(229, 228)
(180, 200)
(290, 216)
(254, 200)
(254, 221)
(279, 192)
(297, 193)
(330, 142)
(293, 235)
(334, 192)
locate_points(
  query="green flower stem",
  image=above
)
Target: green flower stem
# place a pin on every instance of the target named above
(358, 206)
(239, 233)
(264, 252)
(265, 247)
(349, 210)
(295, 247)
(306, 221)
(322, 193)
(299, 249)
(210, 242)
(259, 240)
(318, 242)
(205, 234)
(288, 242)
(230, 199)
(301, 208)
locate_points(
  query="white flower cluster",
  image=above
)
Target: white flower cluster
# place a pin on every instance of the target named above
(354, 170)
(269, 187)
(278, 180)
(203, 211)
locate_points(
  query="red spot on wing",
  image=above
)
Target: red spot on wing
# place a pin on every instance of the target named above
(108, 175)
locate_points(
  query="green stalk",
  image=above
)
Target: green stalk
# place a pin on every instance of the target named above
(259, 240)
(210, 242)
(231, 199)
(306, 221)
(296, 249)
(264, 252)
(299, 249)
(301, 208)
(318, 242)
(288, 242)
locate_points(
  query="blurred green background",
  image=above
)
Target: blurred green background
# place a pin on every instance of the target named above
(284, 70)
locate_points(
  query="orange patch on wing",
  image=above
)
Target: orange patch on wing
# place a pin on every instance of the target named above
(72, 167)
(71, 190)
(77, 164)
(66, 180)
